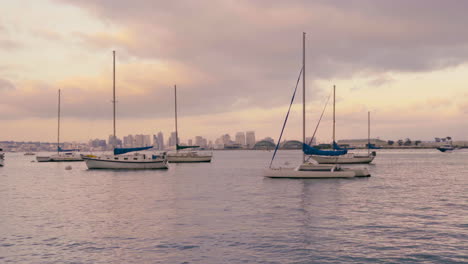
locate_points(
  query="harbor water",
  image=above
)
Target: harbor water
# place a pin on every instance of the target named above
(414, 209)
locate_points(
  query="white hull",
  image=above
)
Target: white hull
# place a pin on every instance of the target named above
(293, 173)
(42, 158)
(343, 159)
(126, 162)
(188, 158)
(59, 158)
(308, 166)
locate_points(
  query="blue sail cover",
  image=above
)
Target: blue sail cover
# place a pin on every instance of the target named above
(185, 147)
(59, 149)
(308, 150)
(337, 147)
(118, 151)
(372, 146)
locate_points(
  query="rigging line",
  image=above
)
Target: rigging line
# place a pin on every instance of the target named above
(320, 119)
(287, 115)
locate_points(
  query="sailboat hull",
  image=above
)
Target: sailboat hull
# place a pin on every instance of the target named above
(299, 174)
(343, 159)
(125, 165)
(184, 158)
(59, 158)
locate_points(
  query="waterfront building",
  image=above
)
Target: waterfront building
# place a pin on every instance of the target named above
(160, 141)
(128, 141)
(172, 140)
(240, 138)
(250, 139)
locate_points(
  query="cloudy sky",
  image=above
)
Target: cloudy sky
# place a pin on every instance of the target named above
(235, 63)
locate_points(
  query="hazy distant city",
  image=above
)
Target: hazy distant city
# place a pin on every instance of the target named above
(240, 141)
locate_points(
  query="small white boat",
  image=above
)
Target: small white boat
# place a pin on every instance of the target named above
(445, 148)
(188, 157)
(350, 158)
(29, 154)
(60, 157)
(126, 162)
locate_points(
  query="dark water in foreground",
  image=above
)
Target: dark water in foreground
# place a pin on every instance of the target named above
(414, 209)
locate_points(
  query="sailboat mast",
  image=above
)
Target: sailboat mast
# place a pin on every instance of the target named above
(334, 88)
(58, 123)
(114, 140)
(303, 94)
(175, 108)
(368, 132)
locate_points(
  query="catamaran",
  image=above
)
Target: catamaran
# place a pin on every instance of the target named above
(185, 156)
(344, 157)
(307, 169)
(62, 154)
(129, 161)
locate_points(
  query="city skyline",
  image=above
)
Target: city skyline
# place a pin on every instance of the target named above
(240, 73)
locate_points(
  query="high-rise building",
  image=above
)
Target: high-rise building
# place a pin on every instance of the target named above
(139, 141)
(226, 139)
(250, 139)
(240, 138)
(200, 141)
(128, 141)
(160, 141)
(155, 142)
(172, 139)
(189, 142)
(146, 140)
(114, 142)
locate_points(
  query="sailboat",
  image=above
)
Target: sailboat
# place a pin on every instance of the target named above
(62, 154)
(345, 158)
(185, 156)
(2, 158)
(130, 161)
(309, 170)
(369, 145)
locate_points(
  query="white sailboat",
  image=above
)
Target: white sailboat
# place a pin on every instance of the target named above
(348, 158)
(62, 155)
(129, 161)
(309, 170)
(185, 156)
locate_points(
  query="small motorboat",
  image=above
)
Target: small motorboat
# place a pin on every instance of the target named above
(445, 148)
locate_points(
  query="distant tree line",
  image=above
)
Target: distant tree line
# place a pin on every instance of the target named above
(409, 142)
(445, 139)
(406, 142)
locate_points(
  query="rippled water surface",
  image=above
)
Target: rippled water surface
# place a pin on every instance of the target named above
(414, 209)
